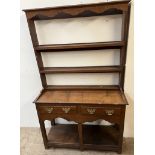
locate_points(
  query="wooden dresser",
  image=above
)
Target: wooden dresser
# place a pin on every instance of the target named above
(82, 103)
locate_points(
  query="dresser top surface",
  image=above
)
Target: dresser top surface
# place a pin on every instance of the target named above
(112, 97)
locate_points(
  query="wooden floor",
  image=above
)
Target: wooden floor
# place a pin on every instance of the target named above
(31, 144)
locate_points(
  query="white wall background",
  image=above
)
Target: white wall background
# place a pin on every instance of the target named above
(64, 32)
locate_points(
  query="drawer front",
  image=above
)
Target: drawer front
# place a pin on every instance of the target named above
(57, 109)
(105, 111)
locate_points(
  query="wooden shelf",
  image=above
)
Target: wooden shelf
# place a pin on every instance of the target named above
(88, 69)
(66, 135)
(101, 97)
(100, 135)
(82, 87)
(80, 46)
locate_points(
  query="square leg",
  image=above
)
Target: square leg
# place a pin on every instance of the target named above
(44, 135)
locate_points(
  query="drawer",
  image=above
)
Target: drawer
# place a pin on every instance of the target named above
(106, 111)
(57, 109)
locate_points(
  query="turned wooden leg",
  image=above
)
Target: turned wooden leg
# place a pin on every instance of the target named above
(80, 135)
(44, 135)
(53, 122)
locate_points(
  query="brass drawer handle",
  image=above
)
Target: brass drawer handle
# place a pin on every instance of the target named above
(66, 109)
(91, 110)
(109, 112)
(49, 109)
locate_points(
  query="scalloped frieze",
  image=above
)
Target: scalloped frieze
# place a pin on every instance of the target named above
(86, 13)
(82, 118)
(76, 12)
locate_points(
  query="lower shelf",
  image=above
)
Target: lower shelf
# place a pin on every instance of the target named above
(101, 137)
(64, 136)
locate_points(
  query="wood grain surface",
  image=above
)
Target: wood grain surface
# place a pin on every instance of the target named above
(82, 96)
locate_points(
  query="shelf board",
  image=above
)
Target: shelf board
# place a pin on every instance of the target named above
(66, 135)
(82, 87)
(88, 69)
(80, 46)
(100, 135)
(63, 136)
(101, 97)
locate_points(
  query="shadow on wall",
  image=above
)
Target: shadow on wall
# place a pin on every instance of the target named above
(129, 118)
(30, 84)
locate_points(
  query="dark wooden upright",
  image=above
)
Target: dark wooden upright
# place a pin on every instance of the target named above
(76, 102)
